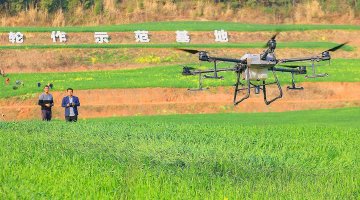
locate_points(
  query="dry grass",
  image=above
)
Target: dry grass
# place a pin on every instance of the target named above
(309, 12)
(306, 13)
(58, 19)
(110, 5)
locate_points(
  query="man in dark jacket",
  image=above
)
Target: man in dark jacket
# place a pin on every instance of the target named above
(70, 103)
(46, 101)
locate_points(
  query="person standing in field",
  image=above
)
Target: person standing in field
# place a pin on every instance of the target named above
(70, 103)
(46, 101)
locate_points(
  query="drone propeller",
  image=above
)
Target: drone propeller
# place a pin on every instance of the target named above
(337, 47)
(272, 38)
(192, 51)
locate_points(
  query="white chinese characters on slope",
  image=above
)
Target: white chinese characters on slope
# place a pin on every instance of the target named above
(182, 36)
(58, 34)
(221, 36)
(16, 37)
(142, 36)
(101, 37)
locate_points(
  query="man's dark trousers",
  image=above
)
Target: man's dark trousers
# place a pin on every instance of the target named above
(46, 115)
(71, 118)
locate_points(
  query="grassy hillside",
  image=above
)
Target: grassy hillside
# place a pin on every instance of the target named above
(296, 155)
(186, 25)
(340, 70)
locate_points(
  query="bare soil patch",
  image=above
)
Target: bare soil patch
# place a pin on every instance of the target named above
(163, 101)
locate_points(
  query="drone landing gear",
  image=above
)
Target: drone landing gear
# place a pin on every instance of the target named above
(293, 86)
(314, 75)
(200, 88)
(215, 73)
(202, 77)
(257, 88)
(247, 88)
(279, 87)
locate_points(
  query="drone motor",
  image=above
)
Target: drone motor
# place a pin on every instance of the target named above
(203, 56)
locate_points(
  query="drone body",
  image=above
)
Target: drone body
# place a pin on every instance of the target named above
(258, 68)
(252, 70)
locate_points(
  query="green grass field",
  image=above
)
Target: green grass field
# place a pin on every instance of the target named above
(303, 45)
(294, 155)
(340, 70)
(186, 25)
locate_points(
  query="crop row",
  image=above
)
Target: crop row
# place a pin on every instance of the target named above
(340, 70)
(187, 25)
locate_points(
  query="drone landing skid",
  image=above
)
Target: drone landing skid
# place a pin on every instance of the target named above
(214, 77)
(293, 86)
(201, 78)
(317, 75)
(257, 89)
(314, 75)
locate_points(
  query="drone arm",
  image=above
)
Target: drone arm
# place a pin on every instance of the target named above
(203, 56)
(295, 59)
(194, 72)
(325, 55)
(297, 70)
(314, 58)
(226, 60)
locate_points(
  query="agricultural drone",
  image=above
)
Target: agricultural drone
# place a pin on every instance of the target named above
(253, 70)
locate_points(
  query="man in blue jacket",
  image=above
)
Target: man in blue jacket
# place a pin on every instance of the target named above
(70, 103)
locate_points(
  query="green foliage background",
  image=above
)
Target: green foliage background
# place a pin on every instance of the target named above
(282, 7)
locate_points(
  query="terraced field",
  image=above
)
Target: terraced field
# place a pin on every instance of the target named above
(177, 153)
(125, 64)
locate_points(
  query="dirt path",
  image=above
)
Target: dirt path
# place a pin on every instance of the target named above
(159, 101)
